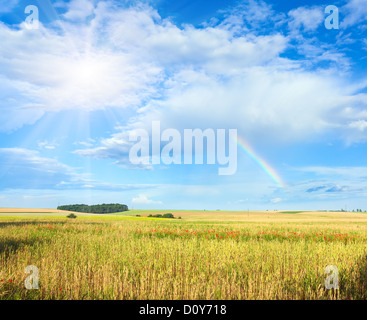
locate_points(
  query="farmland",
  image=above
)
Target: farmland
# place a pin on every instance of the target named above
(203, 255)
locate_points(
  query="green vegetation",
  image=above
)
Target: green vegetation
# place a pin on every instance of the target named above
(291, 211)
(165, 215)
(71, 216)
(98, 208)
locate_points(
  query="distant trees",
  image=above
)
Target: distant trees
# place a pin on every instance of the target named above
(165, 215)
(98, 208)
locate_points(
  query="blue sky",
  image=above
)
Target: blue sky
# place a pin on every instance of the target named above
(94, 72)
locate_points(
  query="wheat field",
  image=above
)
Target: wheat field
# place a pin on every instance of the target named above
(141, 258)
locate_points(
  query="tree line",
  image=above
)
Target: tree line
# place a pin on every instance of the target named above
(97, 208)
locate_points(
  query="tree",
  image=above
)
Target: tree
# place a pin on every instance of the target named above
(168, 215)
(98, 208)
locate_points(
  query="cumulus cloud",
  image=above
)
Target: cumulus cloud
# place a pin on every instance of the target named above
(67, 67)
(226, 73)
(78, 9)
(143, 199)
(359, 124)
(305, 18)
(288, 106)
(56, 76)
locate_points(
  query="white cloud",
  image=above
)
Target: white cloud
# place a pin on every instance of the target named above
(225, 74)
(250, 15)
(117, 147)
(47, 145)
(359, 124)
(289, 105)
(59, 75)
(143, 199)
(276, 200)
(355, 12)
(78, 9)
(307, 19)
(75, 66)
(355, 131)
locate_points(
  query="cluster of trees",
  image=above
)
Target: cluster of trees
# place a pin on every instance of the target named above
(344, 210)
(98, 208)
(166, 215)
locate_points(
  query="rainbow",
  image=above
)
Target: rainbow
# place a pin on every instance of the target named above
(261, 162)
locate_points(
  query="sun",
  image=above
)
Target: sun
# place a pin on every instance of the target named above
(88, 72)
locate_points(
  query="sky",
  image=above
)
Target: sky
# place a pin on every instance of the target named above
(78, 82)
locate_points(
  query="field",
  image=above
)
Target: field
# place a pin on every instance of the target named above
(203, 255)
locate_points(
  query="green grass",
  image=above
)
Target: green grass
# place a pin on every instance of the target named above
(292, 212)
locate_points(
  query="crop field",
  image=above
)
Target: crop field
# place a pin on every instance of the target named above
(203, 255)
